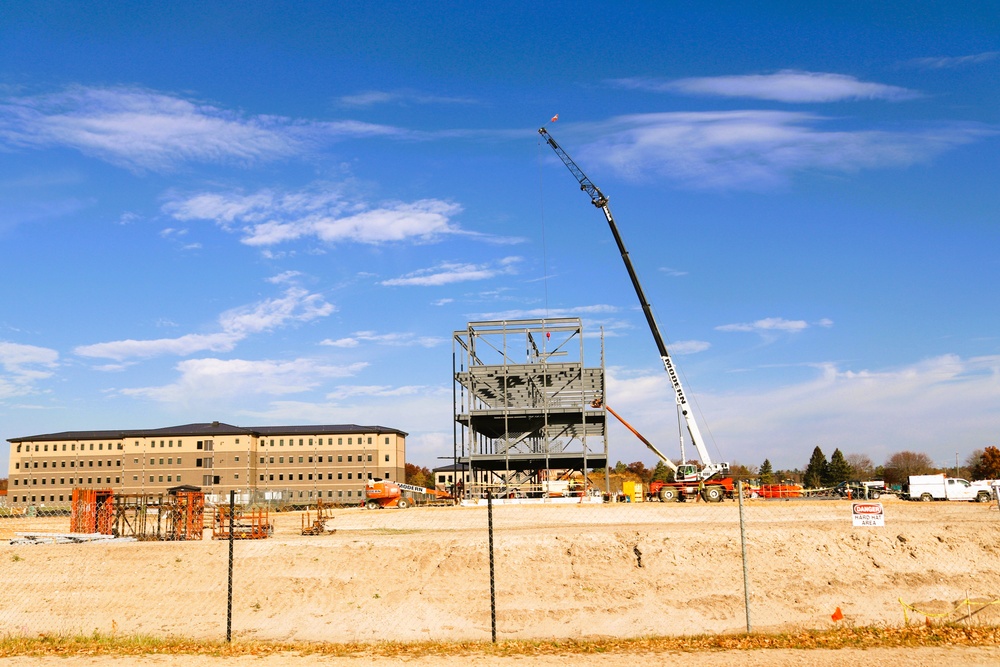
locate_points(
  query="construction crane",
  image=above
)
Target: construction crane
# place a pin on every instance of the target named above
(684, 472)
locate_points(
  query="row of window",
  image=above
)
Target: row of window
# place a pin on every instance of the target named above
(201, 444)
(62, 481)
(319, 459)
(291, 477)
(83, 447)
(349, 493)
(72, 464)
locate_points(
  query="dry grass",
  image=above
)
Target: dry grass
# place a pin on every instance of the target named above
(839, 638)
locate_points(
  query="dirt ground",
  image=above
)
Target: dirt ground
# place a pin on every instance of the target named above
(562, 572)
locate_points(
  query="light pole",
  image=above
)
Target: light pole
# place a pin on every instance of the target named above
(956, 464)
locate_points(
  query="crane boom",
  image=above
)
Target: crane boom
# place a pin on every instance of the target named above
(600, 200)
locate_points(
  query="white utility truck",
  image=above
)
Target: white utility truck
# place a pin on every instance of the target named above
(939, 487)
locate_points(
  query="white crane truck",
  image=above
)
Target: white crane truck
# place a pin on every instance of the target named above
(689, 478)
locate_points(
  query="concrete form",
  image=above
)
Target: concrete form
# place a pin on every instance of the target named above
(523, 409)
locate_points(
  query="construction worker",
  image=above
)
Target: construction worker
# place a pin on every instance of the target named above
(701, 491)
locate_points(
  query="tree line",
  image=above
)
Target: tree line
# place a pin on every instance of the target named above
(820, 472)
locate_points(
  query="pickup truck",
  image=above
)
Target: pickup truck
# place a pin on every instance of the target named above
(939, 487)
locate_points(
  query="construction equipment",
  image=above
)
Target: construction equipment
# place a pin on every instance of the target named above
(317, 525)
(381, 493)
(684, 472)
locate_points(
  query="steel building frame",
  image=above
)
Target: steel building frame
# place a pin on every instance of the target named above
(523, 408)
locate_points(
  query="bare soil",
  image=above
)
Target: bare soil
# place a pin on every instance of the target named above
(562, 571)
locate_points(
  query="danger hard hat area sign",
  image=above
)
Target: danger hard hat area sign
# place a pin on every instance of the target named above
(868, 514)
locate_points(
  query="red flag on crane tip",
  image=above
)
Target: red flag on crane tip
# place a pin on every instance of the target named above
(554, 118)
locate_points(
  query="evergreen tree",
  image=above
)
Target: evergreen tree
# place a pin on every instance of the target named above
(661, 473)
(816, 471)
(839, 469)
(766, 472)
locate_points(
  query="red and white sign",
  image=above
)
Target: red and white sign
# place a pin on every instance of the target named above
(868, 514)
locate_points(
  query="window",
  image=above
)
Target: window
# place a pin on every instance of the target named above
(349, 476)
(340, 441)
(300, 442)
(340, 475)
(310, 442)
(300, 459)
(261, 478)
(369, 440)
(170, 462)
(262, 459)
(386, 458)
(281, 442)
(135, 461)
(300, 477)
(270, 460)
(369, 458)
(236, 476)
(236, 458)
(310, 459)
(350, 441)
(281, 478)
(340, 459)
(350, 458)
(329, 441)
(387, 440)
(281, 459)
(135, 478)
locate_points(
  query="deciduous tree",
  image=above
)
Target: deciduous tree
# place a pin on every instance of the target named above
(901, 465)
(861, 466)
(989, 465)
(419, 476)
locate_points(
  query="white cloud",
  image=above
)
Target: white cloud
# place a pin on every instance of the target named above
(535, 313)
(401, 97)
(689, 346)
(214, 380)
(758, 149)
(145, 130)
(23, 366)
(938, 406)
(390, 339)
(767, 324)
(946, 62)
(322, 212)
(296, 305)
(784, 86)
(448, 273)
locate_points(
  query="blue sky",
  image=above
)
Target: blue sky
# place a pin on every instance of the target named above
(273, 213)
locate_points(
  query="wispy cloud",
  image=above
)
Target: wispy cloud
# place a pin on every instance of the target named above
(23, 366)
(296, 305)
(768, 324)
(792, 86)
(213, 380)
(404, 339)
(447, 273)
(400, 97)
(759, 149)
(534, 313)
(950, 62)
(876, 411)
(322, 212)
(144, 130)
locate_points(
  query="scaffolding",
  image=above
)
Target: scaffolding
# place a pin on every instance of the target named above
(525, 422)
(176, 515)
(248, 523)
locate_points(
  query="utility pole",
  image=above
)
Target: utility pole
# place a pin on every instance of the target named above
(956, 464)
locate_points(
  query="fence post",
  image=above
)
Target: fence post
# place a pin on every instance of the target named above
(493, 594)
(743, 547)
(229, 597)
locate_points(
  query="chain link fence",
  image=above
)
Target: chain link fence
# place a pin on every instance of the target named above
(562, 568)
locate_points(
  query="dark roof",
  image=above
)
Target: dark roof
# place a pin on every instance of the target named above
(207, 429)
